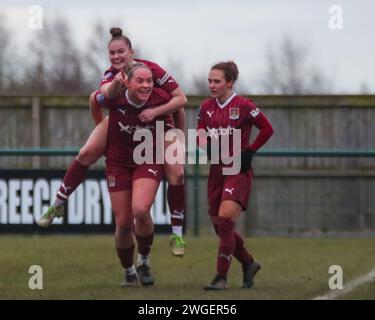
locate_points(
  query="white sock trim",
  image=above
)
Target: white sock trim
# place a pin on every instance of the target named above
(130, 270)
(142, 260)
(177, 230)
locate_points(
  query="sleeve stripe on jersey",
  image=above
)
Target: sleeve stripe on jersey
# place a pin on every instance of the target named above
(163, 80)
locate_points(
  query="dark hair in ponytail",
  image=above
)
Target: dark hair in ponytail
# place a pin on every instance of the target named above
(229, 68)
(117, 35)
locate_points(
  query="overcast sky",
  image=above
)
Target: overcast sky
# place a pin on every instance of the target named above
(199, 33)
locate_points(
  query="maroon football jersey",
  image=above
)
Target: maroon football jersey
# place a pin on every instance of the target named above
(124, 121)
(236, 113)
(162, 78)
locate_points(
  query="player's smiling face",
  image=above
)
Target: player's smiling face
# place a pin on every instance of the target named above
(219, 87)
(119, 54)
(140, 85)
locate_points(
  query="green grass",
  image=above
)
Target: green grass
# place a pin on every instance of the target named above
(86, 267)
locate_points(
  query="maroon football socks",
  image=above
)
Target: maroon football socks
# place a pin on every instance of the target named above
(74, 176)
(144, 244)
(226, 245)
(126, 256)
(176, 203)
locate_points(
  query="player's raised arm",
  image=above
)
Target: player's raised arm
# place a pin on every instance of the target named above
(112, 89)
(120, 54)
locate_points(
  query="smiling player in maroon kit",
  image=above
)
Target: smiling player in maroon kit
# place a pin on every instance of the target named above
(120, 53)
(132, 186)
(228, 194)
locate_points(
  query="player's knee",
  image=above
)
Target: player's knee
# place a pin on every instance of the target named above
(144, 220)
(141, 213)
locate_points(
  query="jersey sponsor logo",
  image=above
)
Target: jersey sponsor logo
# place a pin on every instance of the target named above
(111, 181)
(228, 257)
(210, 113)
(179, 213)
(122, 111)
(131, 129)
(124, 128)
(65, 188)
(216, 132)
(254, 113)
(234, 113)
(229, 190)
(154, 172)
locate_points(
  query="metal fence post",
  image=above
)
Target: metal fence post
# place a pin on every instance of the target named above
(36, 129)
(196, 193)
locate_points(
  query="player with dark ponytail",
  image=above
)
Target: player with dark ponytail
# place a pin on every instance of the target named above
(120, 52)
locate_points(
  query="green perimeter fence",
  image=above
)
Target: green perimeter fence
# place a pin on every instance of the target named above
(313, 202)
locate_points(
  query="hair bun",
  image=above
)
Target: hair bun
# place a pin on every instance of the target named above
(116, 32)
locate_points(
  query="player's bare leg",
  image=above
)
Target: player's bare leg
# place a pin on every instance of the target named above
(77, 171)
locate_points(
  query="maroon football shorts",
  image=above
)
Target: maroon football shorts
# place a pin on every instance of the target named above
(121, 178)
(230, 187)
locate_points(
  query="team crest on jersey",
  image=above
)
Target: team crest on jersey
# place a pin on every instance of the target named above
(234, 113)
(111, 181)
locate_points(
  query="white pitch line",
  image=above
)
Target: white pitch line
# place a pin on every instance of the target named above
(351, 285)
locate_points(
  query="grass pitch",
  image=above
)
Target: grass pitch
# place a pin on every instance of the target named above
(87, 267)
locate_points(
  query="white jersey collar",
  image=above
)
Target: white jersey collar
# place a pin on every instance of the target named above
(133, 103)
(222, 106)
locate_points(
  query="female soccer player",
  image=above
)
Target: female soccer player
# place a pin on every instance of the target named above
(228, 194)
(133, 187)
(120, 55)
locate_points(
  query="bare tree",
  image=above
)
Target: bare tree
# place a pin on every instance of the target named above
(364, 88)
(55, 62)
(7, 75)
(289, 70)
(96, 57)
(199, 85)
(176, 69)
